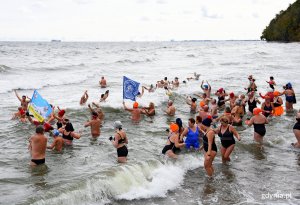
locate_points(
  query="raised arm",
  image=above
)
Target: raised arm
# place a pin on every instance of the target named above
(18, 95)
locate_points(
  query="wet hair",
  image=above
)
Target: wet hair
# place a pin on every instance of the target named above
(204, 94)
(194, 99)
(179, 122)
(166, 78)
(40, 129)
(192, 120)
(107, 91)
(227, 110)
(198, 118)
(102, 95)
(69, 127)
(271, 78)
(94, 114)
(23, 96)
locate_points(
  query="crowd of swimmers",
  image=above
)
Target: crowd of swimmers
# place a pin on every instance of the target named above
(211, 117)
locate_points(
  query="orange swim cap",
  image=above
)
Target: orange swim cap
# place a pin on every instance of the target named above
(202, 104)
(276, 93)
(135, 105)
(256, 111)
(174, 127)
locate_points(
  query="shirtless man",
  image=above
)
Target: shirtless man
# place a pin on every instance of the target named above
(57, 143)
(135, 111)
(95, 124)
(98, 110)
(204, 98)
(102, 82)
(151, 89)
(170, 109)
(24, 101)
(206, 88)
(176, 83)
(205, 112)
(84, 98)
(37, 146)
(149, 111)
(192, 102)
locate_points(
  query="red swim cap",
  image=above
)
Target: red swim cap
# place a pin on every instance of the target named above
(231, 94)
(47, 127)
(61, 113)
(22, 112)
(220, 90)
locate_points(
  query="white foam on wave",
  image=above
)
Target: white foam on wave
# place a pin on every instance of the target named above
(128, 182)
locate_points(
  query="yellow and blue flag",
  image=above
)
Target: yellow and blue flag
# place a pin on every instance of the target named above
(39, 107)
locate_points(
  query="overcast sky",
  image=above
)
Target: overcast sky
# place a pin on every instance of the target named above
(136, 20)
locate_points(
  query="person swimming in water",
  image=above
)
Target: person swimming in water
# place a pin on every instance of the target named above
(289, 97)
(150, 110)
(84, 98)
(68, 133)
(104, 96)
(206, 88)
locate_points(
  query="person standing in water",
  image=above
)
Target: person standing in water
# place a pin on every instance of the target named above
(24, 101)
(296, 130)
(95, 124)
(102, 82)
(192, 133)
(209, 145)
(226, 133)
(258, 121)
(119, 142)
(58, 142)
(173, 143)
(170, 108)
(206, 88)
(37, 146)
(135, 111)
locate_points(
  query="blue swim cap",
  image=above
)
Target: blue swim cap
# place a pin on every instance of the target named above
(289, 85)
(55, 132)
(205, 86)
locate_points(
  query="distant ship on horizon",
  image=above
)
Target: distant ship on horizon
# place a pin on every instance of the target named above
(55, 41)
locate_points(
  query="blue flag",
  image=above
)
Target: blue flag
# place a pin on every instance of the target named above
(130, 88)
(39, 107)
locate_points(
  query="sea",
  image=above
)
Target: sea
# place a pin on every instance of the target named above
(88, 173)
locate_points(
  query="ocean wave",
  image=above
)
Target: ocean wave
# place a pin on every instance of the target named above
(230, 63)
(191, 56)
(128, 61)
(128, 182)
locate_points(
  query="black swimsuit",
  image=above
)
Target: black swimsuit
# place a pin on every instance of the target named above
(67, 137)
(38, 161)
(122, 151)
(267, 108)
(297, 125)
(205, 144)
(251, 105)
(260, 129)
(227, 138)
(221, 101)
(170, 146)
